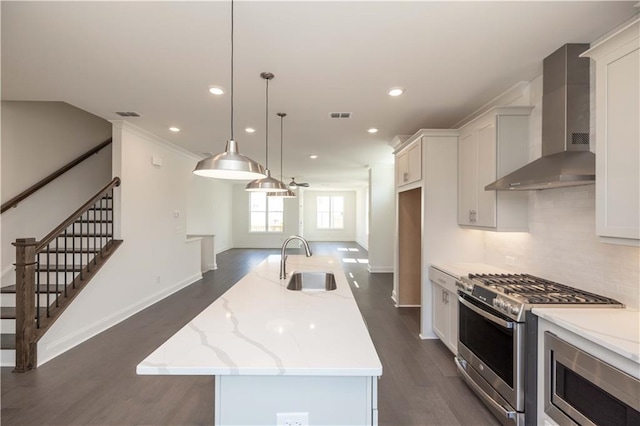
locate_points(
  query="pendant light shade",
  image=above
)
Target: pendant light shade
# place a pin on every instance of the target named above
(268, 183)
(288, 193)
(230, 164)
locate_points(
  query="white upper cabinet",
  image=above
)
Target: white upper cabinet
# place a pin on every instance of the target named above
(491, 146)
(617, 60)
(409, 163)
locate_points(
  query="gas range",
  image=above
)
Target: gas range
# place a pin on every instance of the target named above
(515, 294)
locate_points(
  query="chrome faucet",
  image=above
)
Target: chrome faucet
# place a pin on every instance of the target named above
(283, 257)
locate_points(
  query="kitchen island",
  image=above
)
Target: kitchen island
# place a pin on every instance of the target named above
(274, 350)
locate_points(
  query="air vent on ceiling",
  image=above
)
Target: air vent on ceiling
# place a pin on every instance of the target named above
(339, 115)
(127, 114)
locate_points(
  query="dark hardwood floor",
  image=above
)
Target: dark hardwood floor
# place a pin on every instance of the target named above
(95, 383)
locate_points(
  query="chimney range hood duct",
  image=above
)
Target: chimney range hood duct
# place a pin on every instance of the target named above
(566, 159)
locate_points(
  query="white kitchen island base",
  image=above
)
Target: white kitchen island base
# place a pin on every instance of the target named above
(256, 400)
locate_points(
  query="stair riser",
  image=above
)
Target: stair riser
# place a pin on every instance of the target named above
(7, 358)
(8, 326)
(9, 299)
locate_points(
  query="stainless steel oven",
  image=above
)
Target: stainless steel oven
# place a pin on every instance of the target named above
(583, 390)
(497, 337)
(491, 357)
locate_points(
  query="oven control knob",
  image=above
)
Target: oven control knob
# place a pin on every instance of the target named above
(498, 302)
(468, 287)
(514, 310)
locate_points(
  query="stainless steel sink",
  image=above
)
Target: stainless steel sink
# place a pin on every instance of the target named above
(312, 281)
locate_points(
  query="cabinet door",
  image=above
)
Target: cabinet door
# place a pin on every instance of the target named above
(618, 144)
(486, 146)
(467, 176)
(452, 341)
(415, 162)
(440, 312)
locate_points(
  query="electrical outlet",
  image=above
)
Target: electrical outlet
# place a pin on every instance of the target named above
(292, 419)
(510, 260)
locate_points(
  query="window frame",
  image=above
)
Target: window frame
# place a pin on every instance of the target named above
(266, 214)
(331, 213)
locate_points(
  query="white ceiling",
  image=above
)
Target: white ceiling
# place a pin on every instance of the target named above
(160, 58)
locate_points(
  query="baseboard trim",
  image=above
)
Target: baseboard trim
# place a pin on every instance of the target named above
(365, 245)
(407, 306)
(380, 269)
(56, 348)
(394, 298)
(4, 276)
(429, 337)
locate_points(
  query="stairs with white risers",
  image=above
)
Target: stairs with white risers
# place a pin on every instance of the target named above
(58, 271)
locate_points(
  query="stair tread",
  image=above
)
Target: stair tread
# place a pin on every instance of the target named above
(7, 341)
(11, 289)
(9, 312)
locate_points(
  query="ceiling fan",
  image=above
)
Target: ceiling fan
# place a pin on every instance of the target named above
(294, 184)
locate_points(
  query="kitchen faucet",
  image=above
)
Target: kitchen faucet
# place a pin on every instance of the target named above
(283, 257)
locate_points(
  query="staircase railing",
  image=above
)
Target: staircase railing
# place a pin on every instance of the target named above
(79, 246)
(62, 170)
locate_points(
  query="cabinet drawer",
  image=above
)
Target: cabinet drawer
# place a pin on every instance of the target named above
(443, 279)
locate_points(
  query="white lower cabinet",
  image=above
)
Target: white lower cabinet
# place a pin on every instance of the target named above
(445, 308)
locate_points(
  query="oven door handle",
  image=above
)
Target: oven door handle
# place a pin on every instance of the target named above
(461, 365)
(492, 318)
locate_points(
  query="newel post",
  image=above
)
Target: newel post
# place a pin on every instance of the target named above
(25, 304)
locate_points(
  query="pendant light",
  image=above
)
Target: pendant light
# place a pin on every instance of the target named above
(289, 193)
(266, 184)
(230, 164)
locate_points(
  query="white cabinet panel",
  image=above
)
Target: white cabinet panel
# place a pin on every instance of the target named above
(491, 146)
(409, 164)
(618, 135)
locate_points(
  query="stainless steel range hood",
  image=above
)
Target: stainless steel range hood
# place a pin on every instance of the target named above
(566, 159)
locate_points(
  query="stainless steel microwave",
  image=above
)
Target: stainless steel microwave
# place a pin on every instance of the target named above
(583, 390)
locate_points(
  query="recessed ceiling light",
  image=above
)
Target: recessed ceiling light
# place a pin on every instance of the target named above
(215, 90)
(372, 130)
(396, 91)
(313, 157)
(174, 129)
(250, 130)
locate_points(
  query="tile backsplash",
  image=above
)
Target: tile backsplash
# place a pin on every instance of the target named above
(561, 245)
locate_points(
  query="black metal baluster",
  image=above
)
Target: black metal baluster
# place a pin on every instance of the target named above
(101, 223)
(38, 290)
(66, 264)
(95, 253)
(88, 224)
(81, 247)
(73, 253)
(48, 279)
(57, 271)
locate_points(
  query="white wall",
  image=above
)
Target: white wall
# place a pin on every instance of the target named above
(362, 217)
(209, 210)
(311, 231)
(561, 244)
(154, 260)
(242, 238)
(382, 218)
(37, 139)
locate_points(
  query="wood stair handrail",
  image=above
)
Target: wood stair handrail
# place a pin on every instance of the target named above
(72, 218)
(33, 188)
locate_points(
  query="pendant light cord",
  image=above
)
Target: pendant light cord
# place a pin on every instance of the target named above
(281, 143)
(232, 70)
(266, 119)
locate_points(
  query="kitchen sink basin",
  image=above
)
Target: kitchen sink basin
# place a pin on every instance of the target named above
(312, 281)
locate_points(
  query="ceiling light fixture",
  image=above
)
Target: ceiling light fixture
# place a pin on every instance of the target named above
(313, 156)
(230, 164)
(396, 91)
(372, 130)
(289, 193)
(250, 130)
(215, 90)
(174, 129)
(266, 184)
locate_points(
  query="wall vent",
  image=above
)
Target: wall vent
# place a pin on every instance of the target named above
(127, 114)
(339, 115)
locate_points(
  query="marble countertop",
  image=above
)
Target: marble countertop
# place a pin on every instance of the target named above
(463, 269)
(615, 329)
(258, 327)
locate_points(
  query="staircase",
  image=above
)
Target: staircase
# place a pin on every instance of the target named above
(50, 273)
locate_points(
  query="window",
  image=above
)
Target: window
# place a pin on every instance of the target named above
(330, 212)
(267, 213)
